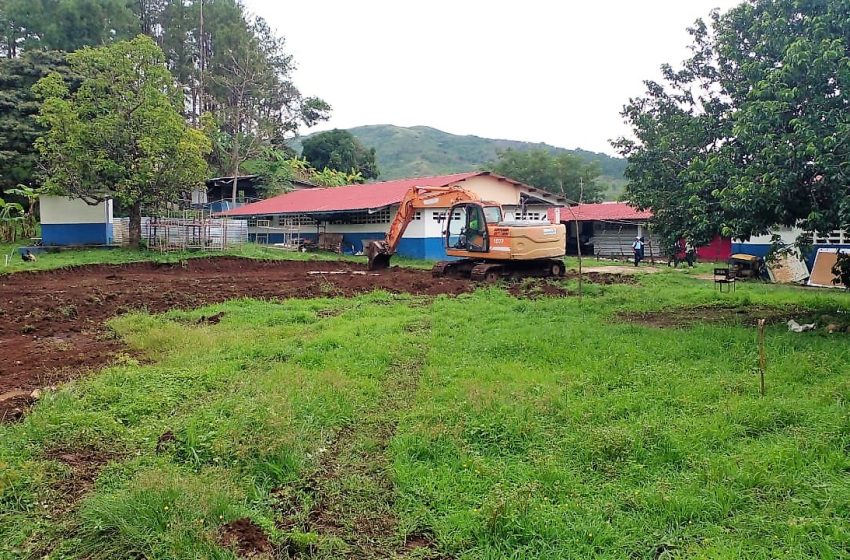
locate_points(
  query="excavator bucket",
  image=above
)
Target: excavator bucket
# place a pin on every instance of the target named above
(378, 255)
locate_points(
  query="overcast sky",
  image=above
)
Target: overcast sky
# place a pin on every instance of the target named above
(555, 71)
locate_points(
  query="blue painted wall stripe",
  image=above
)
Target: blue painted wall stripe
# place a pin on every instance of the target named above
(762, 249)
(76, 234)
(430, 248)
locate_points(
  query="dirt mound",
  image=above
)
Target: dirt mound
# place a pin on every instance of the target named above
(710, 314)
(246, 538)
(51, 322)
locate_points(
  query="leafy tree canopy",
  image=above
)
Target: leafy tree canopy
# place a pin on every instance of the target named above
(339, 150)
(226, 62)
(559, 173)
(18, 107)
(279, 169)
(120, 134)
(753, 130)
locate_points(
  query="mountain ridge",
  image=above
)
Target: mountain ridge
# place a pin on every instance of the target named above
(420, 151)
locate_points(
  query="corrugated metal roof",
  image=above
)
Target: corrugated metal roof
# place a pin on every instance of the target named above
(614, 211)
(349, 198)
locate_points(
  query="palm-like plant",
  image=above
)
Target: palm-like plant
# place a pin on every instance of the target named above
(11, 217)
(29, 221)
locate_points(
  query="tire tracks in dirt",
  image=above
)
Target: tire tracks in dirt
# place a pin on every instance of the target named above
(345, 507)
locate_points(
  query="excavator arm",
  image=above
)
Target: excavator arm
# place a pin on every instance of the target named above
(379, 252)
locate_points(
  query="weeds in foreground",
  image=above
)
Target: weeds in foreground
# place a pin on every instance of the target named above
(533, 428)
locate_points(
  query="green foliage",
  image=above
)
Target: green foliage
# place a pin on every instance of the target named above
(12, 217)
(419, 151)
(233, 67)
(121, 134)
(28, 218)
(333, 178)
(278, 171)
(18, 108)
(339, 150)
(65, 25)
(561, 173)
(750, 132)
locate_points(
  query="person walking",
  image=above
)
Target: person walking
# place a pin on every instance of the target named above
(690, 254)
(637, 247)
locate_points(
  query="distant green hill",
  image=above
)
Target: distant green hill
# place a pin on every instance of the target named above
(420, 151)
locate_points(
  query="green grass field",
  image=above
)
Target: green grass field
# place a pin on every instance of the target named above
(481, 426)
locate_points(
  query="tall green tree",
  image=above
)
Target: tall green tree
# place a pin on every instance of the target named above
(753, 130)
(65, 25)
(18, 108)
(254, 101)
(339, 150)
(121, 134)
(560, 173)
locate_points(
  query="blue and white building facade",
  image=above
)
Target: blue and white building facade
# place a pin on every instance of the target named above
(72, 222)
(760, 245)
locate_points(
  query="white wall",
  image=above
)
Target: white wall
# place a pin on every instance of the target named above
(62, 210)
(789, 235)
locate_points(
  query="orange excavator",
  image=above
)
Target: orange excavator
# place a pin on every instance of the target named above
(485, 246)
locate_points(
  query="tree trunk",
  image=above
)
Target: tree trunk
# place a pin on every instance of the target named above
(135, 225)
(235, 183)
(235, 156)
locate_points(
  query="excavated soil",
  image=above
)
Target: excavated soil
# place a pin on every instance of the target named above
(246, 538)
(52, 322)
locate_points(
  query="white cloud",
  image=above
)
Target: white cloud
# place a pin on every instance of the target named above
(543, 71)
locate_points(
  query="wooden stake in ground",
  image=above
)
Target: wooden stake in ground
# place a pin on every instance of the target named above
(578, 236)
(762, 356)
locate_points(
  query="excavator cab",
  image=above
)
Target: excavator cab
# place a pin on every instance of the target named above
(466, 227)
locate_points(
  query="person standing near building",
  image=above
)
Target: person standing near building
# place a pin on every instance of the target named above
(690, 254)
(637, 247)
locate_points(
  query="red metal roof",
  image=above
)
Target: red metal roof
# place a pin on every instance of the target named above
(345, 199)
(613, 211)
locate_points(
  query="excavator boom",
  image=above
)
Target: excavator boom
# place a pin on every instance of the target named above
(379, 252)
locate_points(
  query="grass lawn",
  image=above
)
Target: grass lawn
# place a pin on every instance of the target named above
(481, 426)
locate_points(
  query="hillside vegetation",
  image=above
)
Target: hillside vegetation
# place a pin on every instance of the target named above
(420, 151)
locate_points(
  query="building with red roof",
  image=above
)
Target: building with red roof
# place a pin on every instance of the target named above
(360, 213)
(608, 229)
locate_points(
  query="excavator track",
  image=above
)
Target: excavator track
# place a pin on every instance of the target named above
(490, 271)
(453, 269)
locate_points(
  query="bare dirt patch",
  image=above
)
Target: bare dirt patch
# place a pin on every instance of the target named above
(624, 269)
(246, 538)
(709, 314)
(52, 322)
(13, 404)
(547, 288)
(84, 464)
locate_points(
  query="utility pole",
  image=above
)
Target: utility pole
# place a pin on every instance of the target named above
(202, 46)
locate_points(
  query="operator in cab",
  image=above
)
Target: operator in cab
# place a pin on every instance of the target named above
(475, 229)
